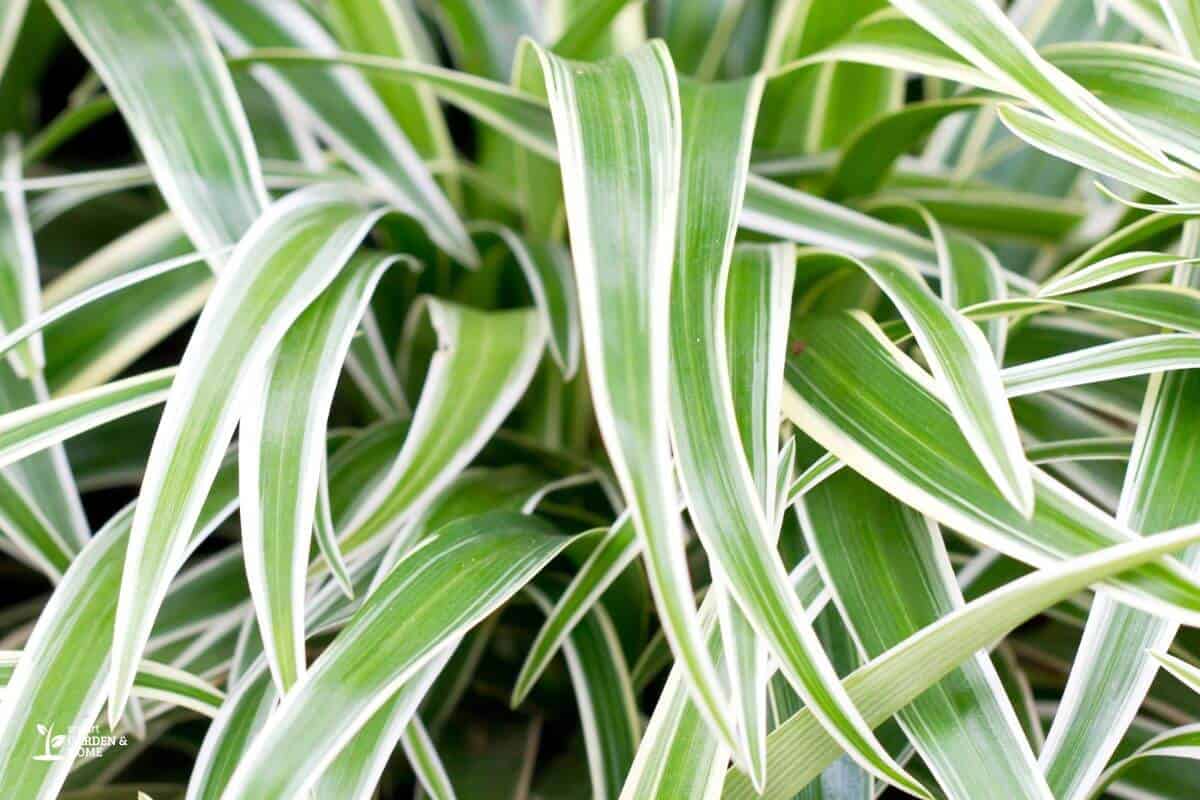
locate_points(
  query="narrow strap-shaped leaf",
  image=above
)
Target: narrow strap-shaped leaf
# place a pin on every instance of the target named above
(24, 524)
(1136, 356)
(101, 290)
(355, 773)
(370, 366)
(346, 110)
(547, 270)
(1176, 307)
(184, 113)
(758, 299)
(619, 135)
(857, 395)
(393, 29)
(813, 475)
(757, 311)
(1177, 743)
(434, 595)
(98, 339)
(604, 694)
(326, 535)
(1067, 143)
(246, 709)
(679, 755)
(154, 681)
(799, 749)
(890, 575)
(423, 757)
(282, 264)
(281, 453)
(614, 552)
(777, 210)
(63, 673)
(36, 427)
(1106, 270)
(1099, 447)
(483, 364)
(970, 274)
(1188, 674)
(19, 284)
(961, 360)
(982, 34)
(1112, 671)
(869, 156)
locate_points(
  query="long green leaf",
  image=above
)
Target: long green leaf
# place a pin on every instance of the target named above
(282, 451)
(980, 32)
(853, 392)
(876, 554)
(205, 163)
(284, 262)
(430, 598)
(726, 506)
(619, 133)
(65, 665)
(346, 110)
(758, 299)
(19, 274)
(355, 773)
(799, 749)
(961, 360)
(604, 695)
(483, 364)
(35, 427)
(1135, 356)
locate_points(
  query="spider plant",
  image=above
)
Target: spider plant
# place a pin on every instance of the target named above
(567, 398)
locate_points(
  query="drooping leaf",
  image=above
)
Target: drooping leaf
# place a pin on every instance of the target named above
(430, 598)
